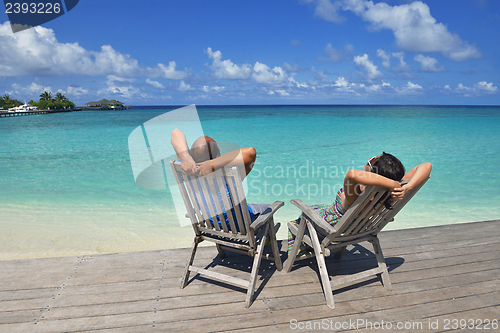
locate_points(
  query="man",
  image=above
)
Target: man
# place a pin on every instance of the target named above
(204, 157)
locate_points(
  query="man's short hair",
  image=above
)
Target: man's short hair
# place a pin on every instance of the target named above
(203, 149)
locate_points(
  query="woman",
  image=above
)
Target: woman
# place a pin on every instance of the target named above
(384, 170)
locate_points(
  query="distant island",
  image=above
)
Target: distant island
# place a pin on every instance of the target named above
(105, 104)
(47, 101)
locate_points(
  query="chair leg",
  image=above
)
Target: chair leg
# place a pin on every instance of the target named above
(296, 245)
(274, 245)
(339, 253)
(185, 277)
(255, 269)
(386, 281)
(325, 279)
(222, 254)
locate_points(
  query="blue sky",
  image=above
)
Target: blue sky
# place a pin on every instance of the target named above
(181, 52)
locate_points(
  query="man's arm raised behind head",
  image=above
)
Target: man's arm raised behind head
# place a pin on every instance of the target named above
(178, 141)
(243, 158)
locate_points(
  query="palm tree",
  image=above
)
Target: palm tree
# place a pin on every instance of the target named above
(6, 99)
(46, 96)
(59, 97)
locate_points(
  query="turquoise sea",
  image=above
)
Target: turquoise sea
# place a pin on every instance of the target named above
(67, 187)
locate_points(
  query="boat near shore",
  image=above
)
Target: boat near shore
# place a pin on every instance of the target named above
(23, 108)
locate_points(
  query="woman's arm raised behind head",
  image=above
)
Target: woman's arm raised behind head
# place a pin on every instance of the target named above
(416, 175)
(354, 178)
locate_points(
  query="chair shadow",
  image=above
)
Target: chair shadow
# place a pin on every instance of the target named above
(240, 262)
(355, 259)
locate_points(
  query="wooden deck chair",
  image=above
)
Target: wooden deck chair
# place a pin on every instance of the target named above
(366, 217)
(235, 232)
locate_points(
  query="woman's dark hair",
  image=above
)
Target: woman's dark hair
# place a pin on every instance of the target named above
(389, 166)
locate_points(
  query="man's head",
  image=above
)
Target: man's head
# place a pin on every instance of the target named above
(204, 148)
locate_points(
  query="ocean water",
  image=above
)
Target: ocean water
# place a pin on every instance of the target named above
(67, 187)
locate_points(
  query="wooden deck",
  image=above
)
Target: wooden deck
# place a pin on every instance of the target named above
(439, 274)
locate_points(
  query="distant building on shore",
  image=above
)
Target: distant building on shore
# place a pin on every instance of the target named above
(105, 104)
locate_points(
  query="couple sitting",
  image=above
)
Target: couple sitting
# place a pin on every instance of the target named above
(384, 170)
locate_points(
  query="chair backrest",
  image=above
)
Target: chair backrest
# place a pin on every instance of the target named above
(368, 215)
(215, 203)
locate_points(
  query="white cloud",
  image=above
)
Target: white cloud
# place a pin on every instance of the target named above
(327, 10)
(37, 52)
(462, 88)
(76, 91)
(342, 85)
(167, 72)
(341, 82)
(428, 64)
(121, 87)
(225, 69)
(484, 86)
(402, 66)
(155, 84)
(386, 58)
(374, 88)
(260, 73)
(33, 91)
(298, 85)
(184, 87)
(216, 89)
(412, 24)
(333, 55)
(478, 89)
(283, 92)
(371, 70)
(264, 75)
(33, 88)
(410, 88)
(319, 76)
(336, 55)
(291, 69)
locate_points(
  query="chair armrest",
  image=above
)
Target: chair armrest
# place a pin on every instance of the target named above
(311, 214)
(404, 181)
(266, 215)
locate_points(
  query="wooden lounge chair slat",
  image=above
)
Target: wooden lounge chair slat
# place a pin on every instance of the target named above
(221, 277)
(199, 208)
(368, 213)
(236, 201)
(191, 212)
(207, 200)
(228, 206)
(215, 198)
